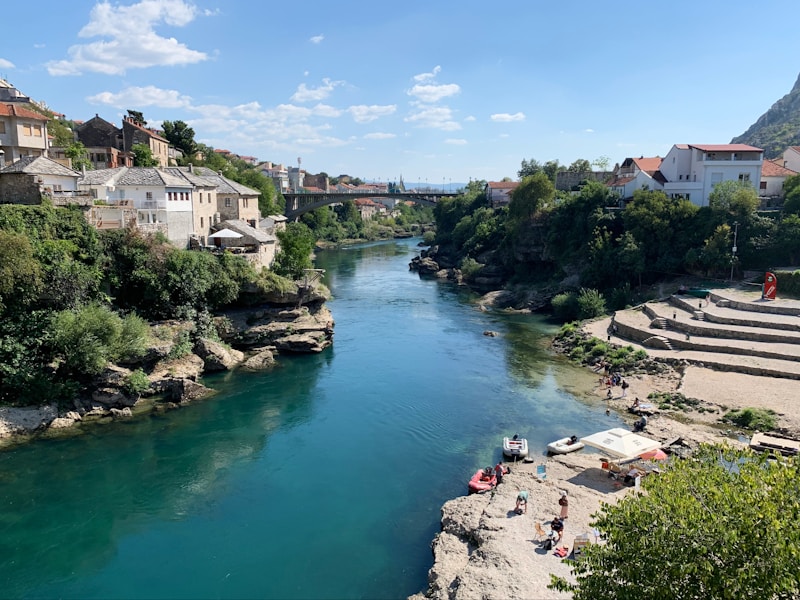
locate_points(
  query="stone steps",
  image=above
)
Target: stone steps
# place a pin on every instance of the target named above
(753, 342)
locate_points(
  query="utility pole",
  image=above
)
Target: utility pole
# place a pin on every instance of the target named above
(733, 250)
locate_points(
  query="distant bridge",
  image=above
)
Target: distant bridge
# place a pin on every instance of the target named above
(302, 202)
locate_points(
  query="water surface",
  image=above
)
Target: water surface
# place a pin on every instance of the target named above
(321, 479)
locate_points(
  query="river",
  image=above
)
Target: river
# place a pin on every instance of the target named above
(321, 479)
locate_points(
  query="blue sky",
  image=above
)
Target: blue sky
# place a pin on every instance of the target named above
(430, 91)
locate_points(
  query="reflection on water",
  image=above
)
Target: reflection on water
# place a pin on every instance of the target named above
(321, 479)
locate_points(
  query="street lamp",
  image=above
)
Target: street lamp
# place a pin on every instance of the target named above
(733, 250)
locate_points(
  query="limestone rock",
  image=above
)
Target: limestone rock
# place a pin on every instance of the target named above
(260, 361)
(217, 357)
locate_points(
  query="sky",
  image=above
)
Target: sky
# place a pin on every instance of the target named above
(435, 92)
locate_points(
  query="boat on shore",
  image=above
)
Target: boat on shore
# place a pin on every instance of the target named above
(515, 447)
(565, 445)
(482, 481)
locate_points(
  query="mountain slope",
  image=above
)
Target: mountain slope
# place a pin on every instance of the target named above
(778, 128)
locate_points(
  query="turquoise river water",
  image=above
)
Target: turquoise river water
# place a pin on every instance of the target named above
(322, 479)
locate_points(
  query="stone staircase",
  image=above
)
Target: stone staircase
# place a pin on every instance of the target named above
(727, 333)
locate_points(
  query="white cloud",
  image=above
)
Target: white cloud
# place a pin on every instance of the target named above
(428, 76)
(434, 92)
(434, 117)
(306, 94)
(6, 64)
(470, 118)
(507, 118)
(366, 114)
(325, 110)
(379, 136)
(132, 41)
(142, 96)
(456, 142)
(588, 130)
(317, 39)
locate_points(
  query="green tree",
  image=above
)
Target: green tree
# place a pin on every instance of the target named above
(21, 279)
(180, 135)
(736, 200)
(601, 162)
(143, 156)
(725, 524)
(86, 339)
(528, 168)
(787, 238)
(294, 255)
(137, 116)
(78, 156)
(62, 134)
(791, 191)
(532, 193)
(551, 168)
(580, 166)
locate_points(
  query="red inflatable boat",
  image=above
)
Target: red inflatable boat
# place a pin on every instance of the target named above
(481, 482)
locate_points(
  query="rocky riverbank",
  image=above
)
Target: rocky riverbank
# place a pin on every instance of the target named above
(250, 339)
(485, 550)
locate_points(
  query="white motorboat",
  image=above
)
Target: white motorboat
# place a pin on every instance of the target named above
(565, 445)
(515, 447)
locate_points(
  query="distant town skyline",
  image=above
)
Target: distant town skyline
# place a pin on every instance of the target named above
(433, 93)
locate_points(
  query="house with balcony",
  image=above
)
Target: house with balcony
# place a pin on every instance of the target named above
(637, 174)
(692, 170)
(23, 132)
(150, 198)
(205, 210)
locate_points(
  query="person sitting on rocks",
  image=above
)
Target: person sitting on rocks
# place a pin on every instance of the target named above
(522, 502)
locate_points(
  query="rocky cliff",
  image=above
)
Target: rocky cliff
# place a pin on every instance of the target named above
(778, 128)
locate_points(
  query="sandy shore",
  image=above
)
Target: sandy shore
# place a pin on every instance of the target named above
(509, 562)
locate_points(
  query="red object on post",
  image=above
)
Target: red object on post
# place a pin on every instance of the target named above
(770, 286)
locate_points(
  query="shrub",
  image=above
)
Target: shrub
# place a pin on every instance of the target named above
(428, 237)
(470, 268)
(565, 306)
(752, 418)
(591, 303)
(136, 383)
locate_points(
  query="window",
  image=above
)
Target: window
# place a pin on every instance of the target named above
(762, 185)
(26, 129)
(2, 126)
(37, 130)
(744, 176)
(227, 202)
(244, 203)
(201, 222)
(149, 195)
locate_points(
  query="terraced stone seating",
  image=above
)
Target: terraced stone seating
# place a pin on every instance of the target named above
(730, 332)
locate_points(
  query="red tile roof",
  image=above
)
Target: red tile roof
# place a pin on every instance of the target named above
(648, 165)
(503, 185)
(12, 110)
(725, 148)
(775, 169)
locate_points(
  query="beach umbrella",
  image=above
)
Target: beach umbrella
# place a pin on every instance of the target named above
(225, 233)
(620, 443)
(657, 454)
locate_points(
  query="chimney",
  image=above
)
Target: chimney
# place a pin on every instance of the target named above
(191, 168)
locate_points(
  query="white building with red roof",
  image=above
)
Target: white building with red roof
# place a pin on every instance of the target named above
(773, 176)
(498, 193)
(692, 170)
(636, 174)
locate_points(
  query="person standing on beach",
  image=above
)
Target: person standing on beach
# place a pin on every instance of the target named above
(563, 502)
(499, 471)
(522, 502)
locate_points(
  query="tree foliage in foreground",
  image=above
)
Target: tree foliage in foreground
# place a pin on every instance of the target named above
(725, 524)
